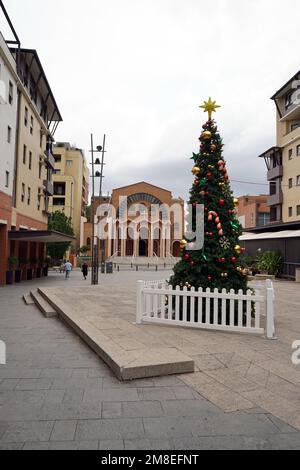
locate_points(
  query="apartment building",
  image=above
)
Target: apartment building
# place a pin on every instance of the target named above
(70, 186)
(253, 211)
(8, 123)
(29, 117)
(283, 160)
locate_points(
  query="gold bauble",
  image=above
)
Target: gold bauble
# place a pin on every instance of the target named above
(236, 202)
(206, 135)
(238, 249)
(183, 244)
(196, 171)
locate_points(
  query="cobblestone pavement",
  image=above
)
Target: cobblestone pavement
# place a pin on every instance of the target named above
(55, 393)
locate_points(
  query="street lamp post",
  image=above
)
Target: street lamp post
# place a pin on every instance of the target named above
(95, 258)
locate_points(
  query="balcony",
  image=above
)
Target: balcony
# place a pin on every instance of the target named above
(48, 187)
(275, 199)
(49, 160)
(275, 172)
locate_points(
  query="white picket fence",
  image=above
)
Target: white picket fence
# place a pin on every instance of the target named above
(252, 312)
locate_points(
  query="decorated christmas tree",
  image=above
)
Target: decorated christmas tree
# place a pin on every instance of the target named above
(217, 264)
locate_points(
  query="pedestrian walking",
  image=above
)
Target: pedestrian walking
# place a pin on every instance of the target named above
(68, 269)
(85, 270)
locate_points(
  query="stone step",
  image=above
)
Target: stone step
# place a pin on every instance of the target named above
(28, 299)
(43, 305)
(126, 365)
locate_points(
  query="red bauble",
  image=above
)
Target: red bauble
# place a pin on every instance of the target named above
(222, 202)
(196, 183)
(210, 278)
(192, 264)
(221, 260)
(208, 175)
(207, 193)
(186, 257)
(233, 259)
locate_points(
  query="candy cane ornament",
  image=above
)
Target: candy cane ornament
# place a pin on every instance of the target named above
(211, 216)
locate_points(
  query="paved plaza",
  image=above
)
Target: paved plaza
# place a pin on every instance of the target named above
(55, 393)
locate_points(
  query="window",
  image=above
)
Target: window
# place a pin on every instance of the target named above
(298, 180)
(290, 154)
(41, 139)
(30, 160)
(59, 189)
(298, 150)
(288, 100)
(290, 183)
(57, 158)
(298, 210)
(263, 218)
(24, 154)
(8, 134)
(7, 179)
(88, 241)
(290, 211)
(69, 163)
(39, 201)
(59, 201)
(294, 126)
(26, 117)
(11, 93)
(29, 196)
(23, 192)
(56, 172)
(252, 218)
(40, 170)
(31, 125)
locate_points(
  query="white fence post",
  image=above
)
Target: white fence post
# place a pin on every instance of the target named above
(139, 303)
(270, 323)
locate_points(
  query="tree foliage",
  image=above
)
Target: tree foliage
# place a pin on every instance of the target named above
(59, 222)
(217, 264)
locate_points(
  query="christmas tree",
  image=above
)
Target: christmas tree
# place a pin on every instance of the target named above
(217, 264)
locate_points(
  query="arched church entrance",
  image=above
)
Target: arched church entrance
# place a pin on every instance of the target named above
(143, 248)
(176, 249)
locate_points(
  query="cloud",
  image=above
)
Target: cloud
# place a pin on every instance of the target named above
(138, 70)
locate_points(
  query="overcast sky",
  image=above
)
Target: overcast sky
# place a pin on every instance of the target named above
(137, 70)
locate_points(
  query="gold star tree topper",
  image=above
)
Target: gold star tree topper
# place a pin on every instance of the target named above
(210, 107)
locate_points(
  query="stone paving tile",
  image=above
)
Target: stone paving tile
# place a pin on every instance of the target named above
(8, 384)
(156, 394)
(276, 442)
(148, 444)
(11, 446)
(207, 362)
(63, 431)
(110, 429)
(142, 409)
(73, 396)
(274, 404)
(56, 373)
(112, 410)
(188, 408)
(19, 412)
(111, 444)
(99, 372)
(67, 411)
(34, 384)
(28, 431)
(232, 380)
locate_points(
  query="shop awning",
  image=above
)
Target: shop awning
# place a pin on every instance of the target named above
(270, 235)
(39, 236)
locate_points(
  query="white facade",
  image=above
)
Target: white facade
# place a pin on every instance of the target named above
(8, 118)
